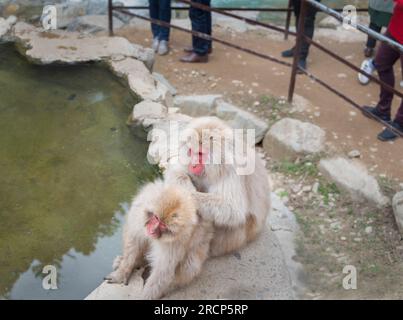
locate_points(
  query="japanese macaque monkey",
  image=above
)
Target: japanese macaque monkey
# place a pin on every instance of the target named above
(238, 204)
(164, 230)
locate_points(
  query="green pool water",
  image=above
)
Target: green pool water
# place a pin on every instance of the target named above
(69, 166)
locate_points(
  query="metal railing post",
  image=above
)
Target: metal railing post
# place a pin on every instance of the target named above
(110, 17)
(297, 49)
(288, 20)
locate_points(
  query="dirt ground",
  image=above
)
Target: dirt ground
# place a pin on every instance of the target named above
(246, 80)
(335, 231)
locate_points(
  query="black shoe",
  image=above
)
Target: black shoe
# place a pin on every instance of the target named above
(288, 53)
(389, 135)
(301, 65)
(375, 112)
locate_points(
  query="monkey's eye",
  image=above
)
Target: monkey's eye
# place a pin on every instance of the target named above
(174, 215)
(149, 214)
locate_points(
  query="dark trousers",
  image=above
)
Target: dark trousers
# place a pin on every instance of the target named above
(201, 22)
(309, 26)
(160, 10)
(386, 57)
(371, 42)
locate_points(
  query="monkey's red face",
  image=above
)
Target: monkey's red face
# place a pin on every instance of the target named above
(155, 227)
(197, 161)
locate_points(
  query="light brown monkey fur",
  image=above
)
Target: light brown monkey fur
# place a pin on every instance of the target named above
(238, 205)
(177, 255)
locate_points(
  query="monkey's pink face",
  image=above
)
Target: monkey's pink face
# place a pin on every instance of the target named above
(197, 161)
(155, 227)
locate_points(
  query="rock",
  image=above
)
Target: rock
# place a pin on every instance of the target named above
(368, 230)
(148, 112)
(67, 12)
(397, 204)
(11, 9)
(140, 80)
(289, 138)
(159, 77)
(353, 177)
(260, 274)
(315, 187)
(197, 105)
(240, 119)
(354, 154)
(162, 150)
(6, 24)
(93, 24)
(329, 22)
(58, 46)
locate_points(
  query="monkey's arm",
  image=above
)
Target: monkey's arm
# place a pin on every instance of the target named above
(224, 212)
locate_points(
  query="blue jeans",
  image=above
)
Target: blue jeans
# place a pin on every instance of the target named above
(160, 10)
(201, 22)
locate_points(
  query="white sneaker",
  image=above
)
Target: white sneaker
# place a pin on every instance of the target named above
(367, 66)
(155, 45)
(163, 48)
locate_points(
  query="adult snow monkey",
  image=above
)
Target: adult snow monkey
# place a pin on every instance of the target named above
(238, 204)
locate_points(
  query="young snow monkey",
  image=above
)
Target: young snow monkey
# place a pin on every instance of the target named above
(163, 229)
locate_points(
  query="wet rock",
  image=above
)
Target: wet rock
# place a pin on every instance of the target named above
(353, 177)
(397, 203)
(289, 138)
(197, 105)
(240, 119)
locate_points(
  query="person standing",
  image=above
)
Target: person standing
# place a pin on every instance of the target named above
(201, 22)
(385, 58)
(309, 28)
(160, 10)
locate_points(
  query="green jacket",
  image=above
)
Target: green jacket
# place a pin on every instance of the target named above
(382, 5)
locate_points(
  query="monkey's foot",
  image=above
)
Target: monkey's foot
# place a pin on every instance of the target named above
(118, 276)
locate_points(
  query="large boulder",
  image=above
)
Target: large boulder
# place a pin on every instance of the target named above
(58, 46)
(352, 176)
(290, 138)
(255, 272)
(241, 119)
(197, 105)
(397, 203)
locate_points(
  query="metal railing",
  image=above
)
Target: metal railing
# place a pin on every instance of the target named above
(299, 35)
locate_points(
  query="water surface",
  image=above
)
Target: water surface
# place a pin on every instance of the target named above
(68, 168)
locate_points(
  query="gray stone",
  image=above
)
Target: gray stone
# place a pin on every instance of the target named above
(72, 47)
(353, 177)
(67, 12)
(397, 203)
(255, 272)
(6, 24)
(140, 80)
(354, 154)
(148, 112)
(159, 77)
(240, 119)
(289, 138)
(93, 24)
(197, 105)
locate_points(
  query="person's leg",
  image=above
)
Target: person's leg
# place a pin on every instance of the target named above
(385, 59)
(209, 29)
(309, 28)
(200, 22)
(164, 15)
(154, 14)
(371, 42)
(296, 6)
